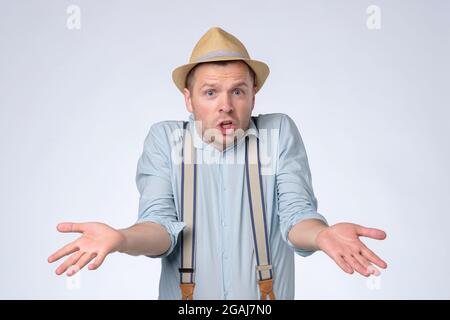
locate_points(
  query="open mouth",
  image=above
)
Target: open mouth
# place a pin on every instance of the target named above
(227, 127)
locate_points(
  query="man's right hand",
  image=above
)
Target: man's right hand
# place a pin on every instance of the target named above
(97, 241)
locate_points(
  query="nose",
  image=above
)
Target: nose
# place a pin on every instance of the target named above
(226, 104)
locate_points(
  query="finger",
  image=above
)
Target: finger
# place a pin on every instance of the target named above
(64, 251)
(371, 233)
(372, 257)
(84, 260)
(355, 265)
(364, 263)
(343, 265)
(70, 227)
(98, 261)
(70, 261)
(374, 271)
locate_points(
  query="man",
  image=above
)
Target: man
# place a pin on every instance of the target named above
(219, 87)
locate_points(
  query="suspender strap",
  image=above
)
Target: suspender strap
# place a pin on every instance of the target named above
(187, 291)
(258, 217)
(266, 289)
(188, 206)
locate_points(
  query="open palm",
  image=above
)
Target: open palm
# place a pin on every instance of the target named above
(341, 242)
(97, 241)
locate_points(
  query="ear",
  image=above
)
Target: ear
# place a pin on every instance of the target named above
(188, 100)
(254, 97)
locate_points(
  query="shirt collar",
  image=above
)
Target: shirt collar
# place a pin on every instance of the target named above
(200, 144)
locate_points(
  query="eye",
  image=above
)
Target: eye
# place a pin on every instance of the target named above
(237, 91)
(209, 92)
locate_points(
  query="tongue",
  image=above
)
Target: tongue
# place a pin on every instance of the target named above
(226, 126)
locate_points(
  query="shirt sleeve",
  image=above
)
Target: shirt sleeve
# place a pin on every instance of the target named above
(296, 200)
(153, 180)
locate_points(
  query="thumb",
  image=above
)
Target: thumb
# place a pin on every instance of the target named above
(70, 227)
(371, 233)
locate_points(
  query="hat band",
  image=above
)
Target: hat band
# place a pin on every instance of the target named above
(220, 53)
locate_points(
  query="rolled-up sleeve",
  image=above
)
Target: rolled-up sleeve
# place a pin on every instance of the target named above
(296, 200)
(153, 180)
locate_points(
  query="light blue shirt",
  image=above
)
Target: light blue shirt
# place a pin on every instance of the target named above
(225, 259)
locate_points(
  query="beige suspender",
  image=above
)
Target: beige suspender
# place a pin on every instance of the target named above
(257, 215)
(188, 202)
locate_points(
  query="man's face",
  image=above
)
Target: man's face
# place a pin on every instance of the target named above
(222, 98)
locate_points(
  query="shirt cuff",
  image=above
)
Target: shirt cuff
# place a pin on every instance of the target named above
(297, 219)
(173, 228)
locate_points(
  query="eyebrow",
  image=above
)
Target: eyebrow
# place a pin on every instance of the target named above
(241, 84)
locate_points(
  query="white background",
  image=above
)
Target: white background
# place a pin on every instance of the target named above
(372, 107)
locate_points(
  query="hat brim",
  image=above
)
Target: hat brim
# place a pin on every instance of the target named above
(260, 68)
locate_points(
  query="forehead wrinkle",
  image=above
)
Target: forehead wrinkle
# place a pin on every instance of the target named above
(215, 80)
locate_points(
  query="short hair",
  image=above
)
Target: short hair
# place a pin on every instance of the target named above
(190, 75)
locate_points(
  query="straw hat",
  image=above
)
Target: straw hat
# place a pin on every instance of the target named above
(219, 45)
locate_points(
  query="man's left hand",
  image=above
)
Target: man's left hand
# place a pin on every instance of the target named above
(341, 243)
